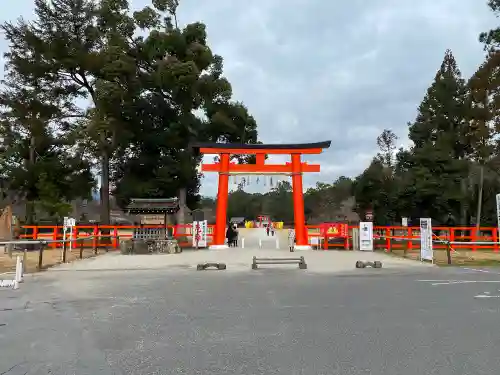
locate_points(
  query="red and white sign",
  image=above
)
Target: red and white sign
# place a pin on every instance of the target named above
(334, 230)
(200, 231)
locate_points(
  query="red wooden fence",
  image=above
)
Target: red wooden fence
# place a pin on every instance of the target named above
(393, 237)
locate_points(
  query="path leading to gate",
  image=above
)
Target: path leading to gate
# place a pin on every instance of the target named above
(252, 237)
(238, 260)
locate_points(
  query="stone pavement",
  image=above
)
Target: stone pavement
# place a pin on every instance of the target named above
(238, 260)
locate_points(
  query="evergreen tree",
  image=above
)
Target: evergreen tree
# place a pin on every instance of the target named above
(438, 166)
(145, 98)
(38, 161)
(374, 191)
(491, 39)
(68, 50)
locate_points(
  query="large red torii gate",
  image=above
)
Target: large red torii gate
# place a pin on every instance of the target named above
(295, 168)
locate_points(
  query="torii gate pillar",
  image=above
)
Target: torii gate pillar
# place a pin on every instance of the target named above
(295, 168)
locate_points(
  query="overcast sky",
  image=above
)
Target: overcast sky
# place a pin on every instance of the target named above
(313, 70)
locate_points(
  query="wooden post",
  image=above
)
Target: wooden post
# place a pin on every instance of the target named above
(95, 245)
(448, 252)
(64, 249)
(81, 248)
(40, 257)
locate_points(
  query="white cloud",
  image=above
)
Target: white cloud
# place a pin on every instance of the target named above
(312, 70)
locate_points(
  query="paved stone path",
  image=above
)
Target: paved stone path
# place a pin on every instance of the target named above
(238, 260)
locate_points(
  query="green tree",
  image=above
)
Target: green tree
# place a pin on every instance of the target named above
(491, 38)
(279, 202)
(184, 98)
(386, 142)
(375, 192)
(71, 50)
(436, 166)
(150, 96)
(243, 204)
(38, 160)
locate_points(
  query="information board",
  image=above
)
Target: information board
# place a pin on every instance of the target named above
(366, 236)
(426, 250)
(200, 231)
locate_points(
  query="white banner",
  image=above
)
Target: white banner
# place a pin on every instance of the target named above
(426, 250)
(366, 236)
(200, 231)
(404, 221)
(69, 222)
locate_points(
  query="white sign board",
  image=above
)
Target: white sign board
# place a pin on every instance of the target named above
(200, 231)
(426, 250)
(69, 222)
(404, 221)
(366, 236)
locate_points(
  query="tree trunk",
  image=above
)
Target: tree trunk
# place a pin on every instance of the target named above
(181, 215)
(30, 205)
(463, 204)
(104, 214)
(479, 199)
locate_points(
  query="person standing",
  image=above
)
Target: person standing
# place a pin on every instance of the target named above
(230, 235)
(291, 239)
(235, 235)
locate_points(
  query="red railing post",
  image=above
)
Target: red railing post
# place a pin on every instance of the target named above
(387, 239)
(95, 237)
(474, 236)
(115, 237)
(74, 237)
(495, 239)
(409, 245)
(55, 237)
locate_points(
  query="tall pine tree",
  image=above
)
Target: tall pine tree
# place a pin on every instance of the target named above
(437, 177)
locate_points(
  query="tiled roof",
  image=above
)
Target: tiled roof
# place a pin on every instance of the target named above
(153, 205)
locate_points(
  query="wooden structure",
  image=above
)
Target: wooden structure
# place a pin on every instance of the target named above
(153, 211)
(295, 168)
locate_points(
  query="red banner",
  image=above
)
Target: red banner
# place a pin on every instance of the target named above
(334, 230)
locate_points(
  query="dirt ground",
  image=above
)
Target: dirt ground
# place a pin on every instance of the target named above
(459, 257)
(50, 258)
